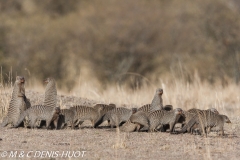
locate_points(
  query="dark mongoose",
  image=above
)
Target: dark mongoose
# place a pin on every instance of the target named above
(17, 104)
(162, 117)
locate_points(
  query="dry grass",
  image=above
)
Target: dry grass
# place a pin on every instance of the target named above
(103, 143)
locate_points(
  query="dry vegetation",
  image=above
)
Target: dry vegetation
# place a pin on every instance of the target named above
(105, 143)
(108, 39)
(120, 51)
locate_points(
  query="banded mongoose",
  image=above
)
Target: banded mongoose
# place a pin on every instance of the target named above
(105, 109)
(129, 127)
(146, 108)
(50, 96)
(207, 119)
(191, 113)
(141, 119)
(42, 112)
(118, 115)
(195, 112)
(46, 111)
(83, 113)
(17, 103)
(50, 93)
(67, 117)
(162, 117)
(157, 102)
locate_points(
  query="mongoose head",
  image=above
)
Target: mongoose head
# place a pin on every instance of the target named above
(213, 110)
(178, 111)
(159, 91)
(100, 108)
(112, 104)
(20, 79)
(226, 119)
(168, 107)
(49, 79)
(134, 110)
(57, 110)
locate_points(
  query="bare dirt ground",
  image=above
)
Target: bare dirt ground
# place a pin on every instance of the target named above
(106, 143)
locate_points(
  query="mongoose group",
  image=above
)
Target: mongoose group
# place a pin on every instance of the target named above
(150, 117)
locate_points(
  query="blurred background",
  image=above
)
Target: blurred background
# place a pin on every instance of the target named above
(128, 42)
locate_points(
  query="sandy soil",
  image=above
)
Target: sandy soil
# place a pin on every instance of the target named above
(106, 143)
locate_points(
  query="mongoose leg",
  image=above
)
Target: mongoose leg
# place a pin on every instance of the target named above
(208, 130)
(138, 127)
(93, 122)
(48, 123)
(221, 131)
(55, 122)
(33, 123)
(109, 123)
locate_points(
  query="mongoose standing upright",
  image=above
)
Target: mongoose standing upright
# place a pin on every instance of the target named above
(46, 111)
(157, 102)
(17, 104)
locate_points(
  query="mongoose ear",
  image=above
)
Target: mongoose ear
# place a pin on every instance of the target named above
(228, 120)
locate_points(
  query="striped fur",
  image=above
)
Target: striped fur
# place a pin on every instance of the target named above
(17, 104)
(66, 117)
(140, 118)
(146, 108)
(83, 113)
(42, 112)
(105, 109)
(157, 102)
(206, 119)
(162, 117)
(191, 113)
(117, 116)
(50, 98)
(129, 127)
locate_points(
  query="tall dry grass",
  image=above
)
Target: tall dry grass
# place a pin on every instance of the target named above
(177, 92)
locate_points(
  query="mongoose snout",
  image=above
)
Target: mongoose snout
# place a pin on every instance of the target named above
(179, 111)
(22, 80)
(159, 91)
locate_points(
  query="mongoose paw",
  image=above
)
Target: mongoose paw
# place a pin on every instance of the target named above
(174, 132)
